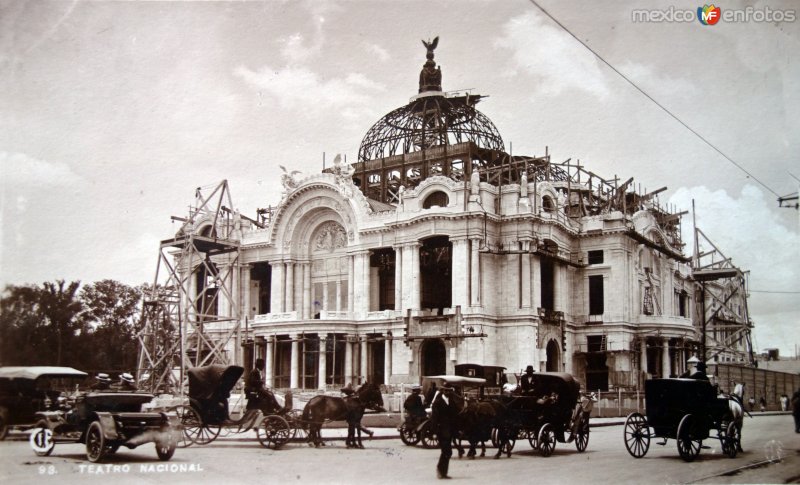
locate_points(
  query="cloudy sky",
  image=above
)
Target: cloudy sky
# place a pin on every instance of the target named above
(111, 113)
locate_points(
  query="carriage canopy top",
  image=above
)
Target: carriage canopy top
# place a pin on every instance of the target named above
(34, 372)
(561, 383)
(213, 380)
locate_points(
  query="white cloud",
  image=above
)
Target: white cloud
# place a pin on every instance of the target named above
(19, 169)
(657, 84)
(296, 86)
(381, 53)
(554, 59)
(295, 50)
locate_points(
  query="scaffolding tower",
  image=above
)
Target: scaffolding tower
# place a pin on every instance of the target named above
(191, 313)
(725, 325)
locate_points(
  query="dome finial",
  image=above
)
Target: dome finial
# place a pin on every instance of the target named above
(430, 79)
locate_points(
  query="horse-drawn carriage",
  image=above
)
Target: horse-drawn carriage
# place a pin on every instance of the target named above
(207, 412)
(553, 411)
(684, 410)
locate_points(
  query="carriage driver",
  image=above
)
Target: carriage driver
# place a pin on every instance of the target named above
(414, 405)
(526, 381)
(255, 388)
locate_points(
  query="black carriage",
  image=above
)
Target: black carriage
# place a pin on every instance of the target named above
(554, 411)
(207, 412)
(685, 410)
(104, 421)
(413, 432)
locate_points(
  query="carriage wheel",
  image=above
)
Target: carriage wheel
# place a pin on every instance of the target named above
(95, 442)
(533, 439)
(408, 435)
(730, 440)
(494, 437)
(547, 440)
(688, 445)
(274, 432)
(582, 437)
(637, 435)
(511, 434)
(3, 423)
(295, 419)
(428, 438)
(191, 425)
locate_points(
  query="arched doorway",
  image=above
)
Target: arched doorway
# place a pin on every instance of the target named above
(553, 357)
(433, 357)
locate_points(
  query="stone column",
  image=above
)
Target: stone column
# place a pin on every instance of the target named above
(665, 363)
(289, 296)
(294, 376)
(361, 283)
(644, 356)
(307, 301)
(245, 284)
(224, 309)
(398, 278)
(460, 284)
(475, 272)
(269, 360)
(325, 296)
(364, 371)
(338, 295)
(536, 279)
(367, 276)
(277, 303)
(407, 276)
(416, 276)
(299, 286)
(323, 364)
(525, 276)
(387, 359)
(348, 360)
(351, 276)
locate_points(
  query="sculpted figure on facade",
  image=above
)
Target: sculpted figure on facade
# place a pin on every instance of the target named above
(343, 173)
(289, 180)
(331, 236)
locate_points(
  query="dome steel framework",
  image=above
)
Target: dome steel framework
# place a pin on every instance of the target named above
(428, 121)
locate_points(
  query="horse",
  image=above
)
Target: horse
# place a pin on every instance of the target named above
(736, 408)
(350, 409)
(475, 423)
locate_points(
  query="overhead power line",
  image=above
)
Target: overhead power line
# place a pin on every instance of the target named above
(623, 76)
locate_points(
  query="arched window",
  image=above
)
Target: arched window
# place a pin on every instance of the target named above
(436, 199)
(547, 204)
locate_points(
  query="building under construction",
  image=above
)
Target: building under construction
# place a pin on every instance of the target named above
(437, 247)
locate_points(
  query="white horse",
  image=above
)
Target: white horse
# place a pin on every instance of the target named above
(736, 407)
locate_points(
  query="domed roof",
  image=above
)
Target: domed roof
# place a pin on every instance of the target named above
(432, 118)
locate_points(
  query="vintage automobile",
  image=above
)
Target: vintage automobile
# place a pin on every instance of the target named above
(25, 391)
(105, 420)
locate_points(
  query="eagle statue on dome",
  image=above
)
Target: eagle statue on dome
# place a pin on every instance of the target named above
(430, 79)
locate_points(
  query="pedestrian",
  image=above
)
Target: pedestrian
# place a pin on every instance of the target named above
(751, 403)
(784, 402)
(796, 410)
(443, 417)
(762, 404)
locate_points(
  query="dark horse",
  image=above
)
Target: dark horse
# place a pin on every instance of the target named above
(475, 423)
(350, 409)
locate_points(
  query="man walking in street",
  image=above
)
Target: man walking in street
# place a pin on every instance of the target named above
(796, 410)
(443, 416)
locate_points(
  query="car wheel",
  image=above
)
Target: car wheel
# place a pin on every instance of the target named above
(3, 423)
(42, 424)
(95, 442)
(165, 447)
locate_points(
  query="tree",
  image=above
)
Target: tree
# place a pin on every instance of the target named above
(61, 309)
(111, 309)
(40, 325)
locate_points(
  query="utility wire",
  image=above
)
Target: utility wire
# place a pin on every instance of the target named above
(698, 135)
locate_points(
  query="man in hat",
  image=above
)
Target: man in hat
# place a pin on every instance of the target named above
(443, 417)
(255, 390)
(526, 381)
(414, 405)
(101, 382)
(126, 382)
